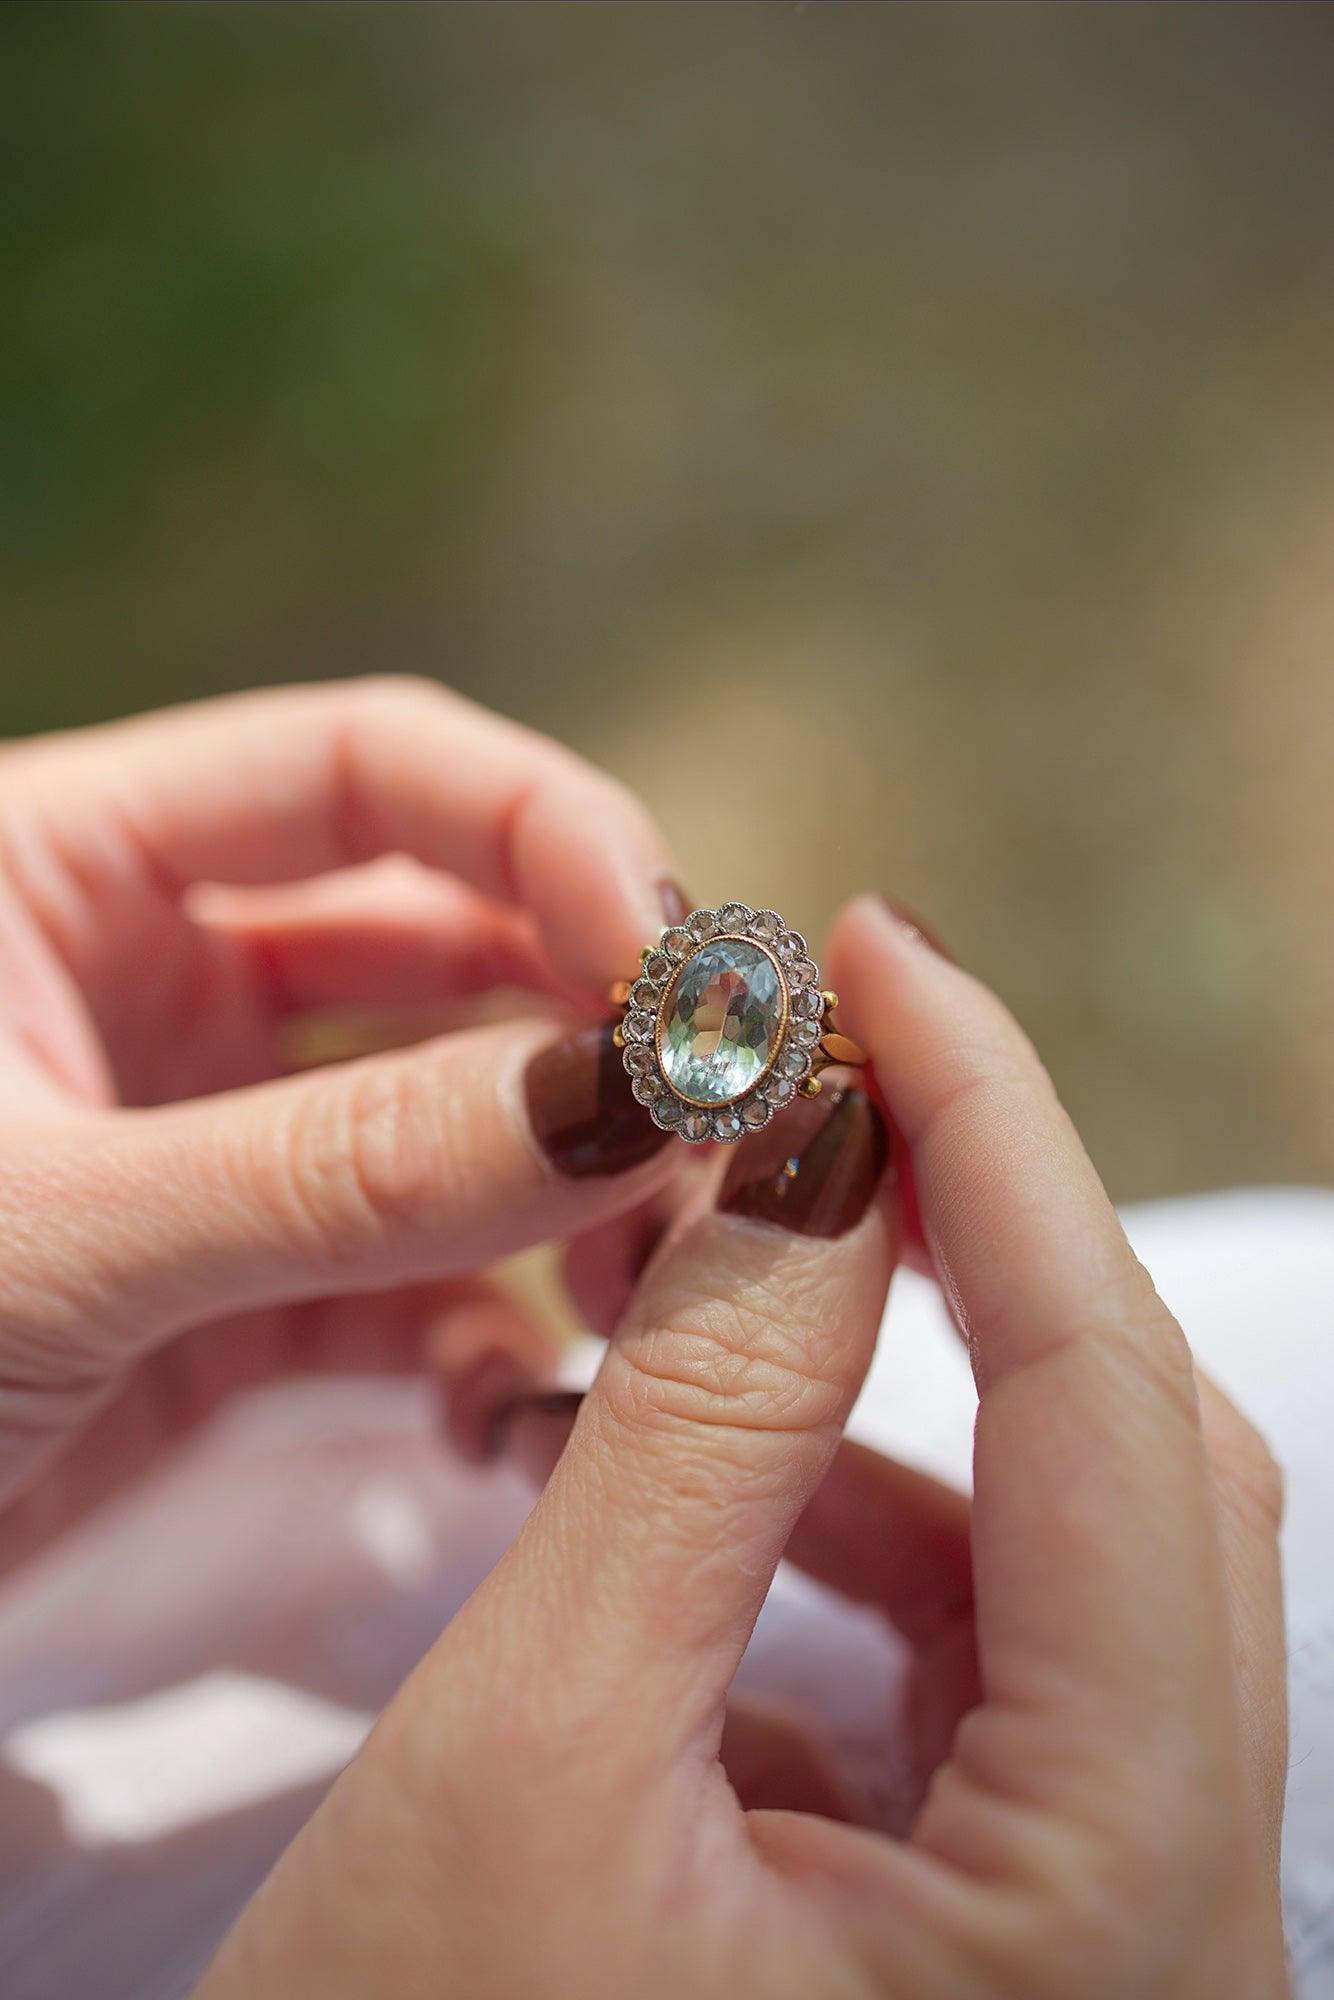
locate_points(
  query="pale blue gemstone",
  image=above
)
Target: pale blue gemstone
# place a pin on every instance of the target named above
(722, 1021)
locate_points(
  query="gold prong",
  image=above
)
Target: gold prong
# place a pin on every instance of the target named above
(830, 1001)
(620, 993)
(810, 1086)
(618, 1036)
(646, 954)
(835, 1048)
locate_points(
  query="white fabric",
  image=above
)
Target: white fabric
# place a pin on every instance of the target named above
(179, 1680)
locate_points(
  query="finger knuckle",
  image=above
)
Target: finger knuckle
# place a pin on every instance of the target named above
(359, 718)
(1253, 1474)
(1122, 1874)
(343, 713)
(751, 1361)
(60, 1344)
(393, 696)
(392, 1161)
(364, 1159)
(1127, 1304)
(1121, 1326)
(1135, 1899)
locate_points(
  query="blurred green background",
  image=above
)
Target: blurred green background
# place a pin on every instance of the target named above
(899, 440)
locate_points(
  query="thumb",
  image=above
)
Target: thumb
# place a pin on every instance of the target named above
(716, 1413)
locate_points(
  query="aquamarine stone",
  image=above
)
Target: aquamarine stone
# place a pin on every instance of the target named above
(722, 1021)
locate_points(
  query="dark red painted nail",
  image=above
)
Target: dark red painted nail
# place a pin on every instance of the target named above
(903, 914)
(676, 905)
(815, 1170)
(581, 1109)
(554, 1403)
(535, 1447)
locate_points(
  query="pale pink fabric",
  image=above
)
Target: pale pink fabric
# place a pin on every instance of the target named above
(179, 1681)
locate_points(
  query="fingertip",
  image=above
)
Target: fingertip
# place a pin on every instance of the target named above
(878, 923)
(590, 863)
(880, 959)
(876, 948)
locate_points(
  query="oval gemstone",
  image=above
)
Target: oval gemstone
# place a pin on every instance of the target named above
(721, 1021)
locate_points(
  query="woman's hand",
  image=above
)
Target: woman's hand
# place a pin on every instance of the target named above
(542, 1809)
(231, 1225)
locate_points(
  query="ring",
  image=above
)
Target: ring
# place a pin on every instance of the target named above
(726, 1024)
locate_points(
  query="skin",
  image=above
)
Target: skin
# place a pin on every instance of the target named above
(559, 1800)
(182, 1218)
(543, 1808)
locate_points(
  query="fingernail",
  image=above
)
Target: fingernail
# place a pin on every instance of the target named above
(814, 1170)
(534, 1403)
(551, 1403)
(676, 905)
(908, 920)
(474, 1399)
(581, 1109)
(532, 1430)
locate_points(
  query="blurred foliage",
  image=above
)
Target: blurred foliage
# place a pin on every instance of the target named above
(254, 331)
(896, 439)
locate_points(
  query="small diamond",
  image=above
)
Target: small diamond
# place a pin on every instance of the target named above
(647, 1089)
(800, 972)
(639, 1060)
(701, 925)
(644, 994)
(795, 1062)
(780, 1090)
(696, 1125)
(639, 1027)
(755, 1112)
(727, 1126)
(808, 1005)
(792, 945)
(807, 1033)
(734, 917)
(767, 926)
(668, 1112)
(657, 966)
(676, 942)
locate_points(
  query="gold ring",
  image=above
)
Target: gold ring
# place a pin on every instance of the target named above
(726, 1024)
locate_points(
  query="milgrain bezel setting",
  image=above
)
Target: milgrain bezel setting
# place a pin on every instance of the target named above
(795, 1045)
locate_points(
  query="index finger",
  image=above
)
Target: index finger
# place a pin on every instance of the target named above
(1099, 1584)
(293, 782)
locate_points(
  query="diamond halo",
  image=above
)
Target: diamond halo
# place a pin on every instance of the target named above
(723, 1024)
